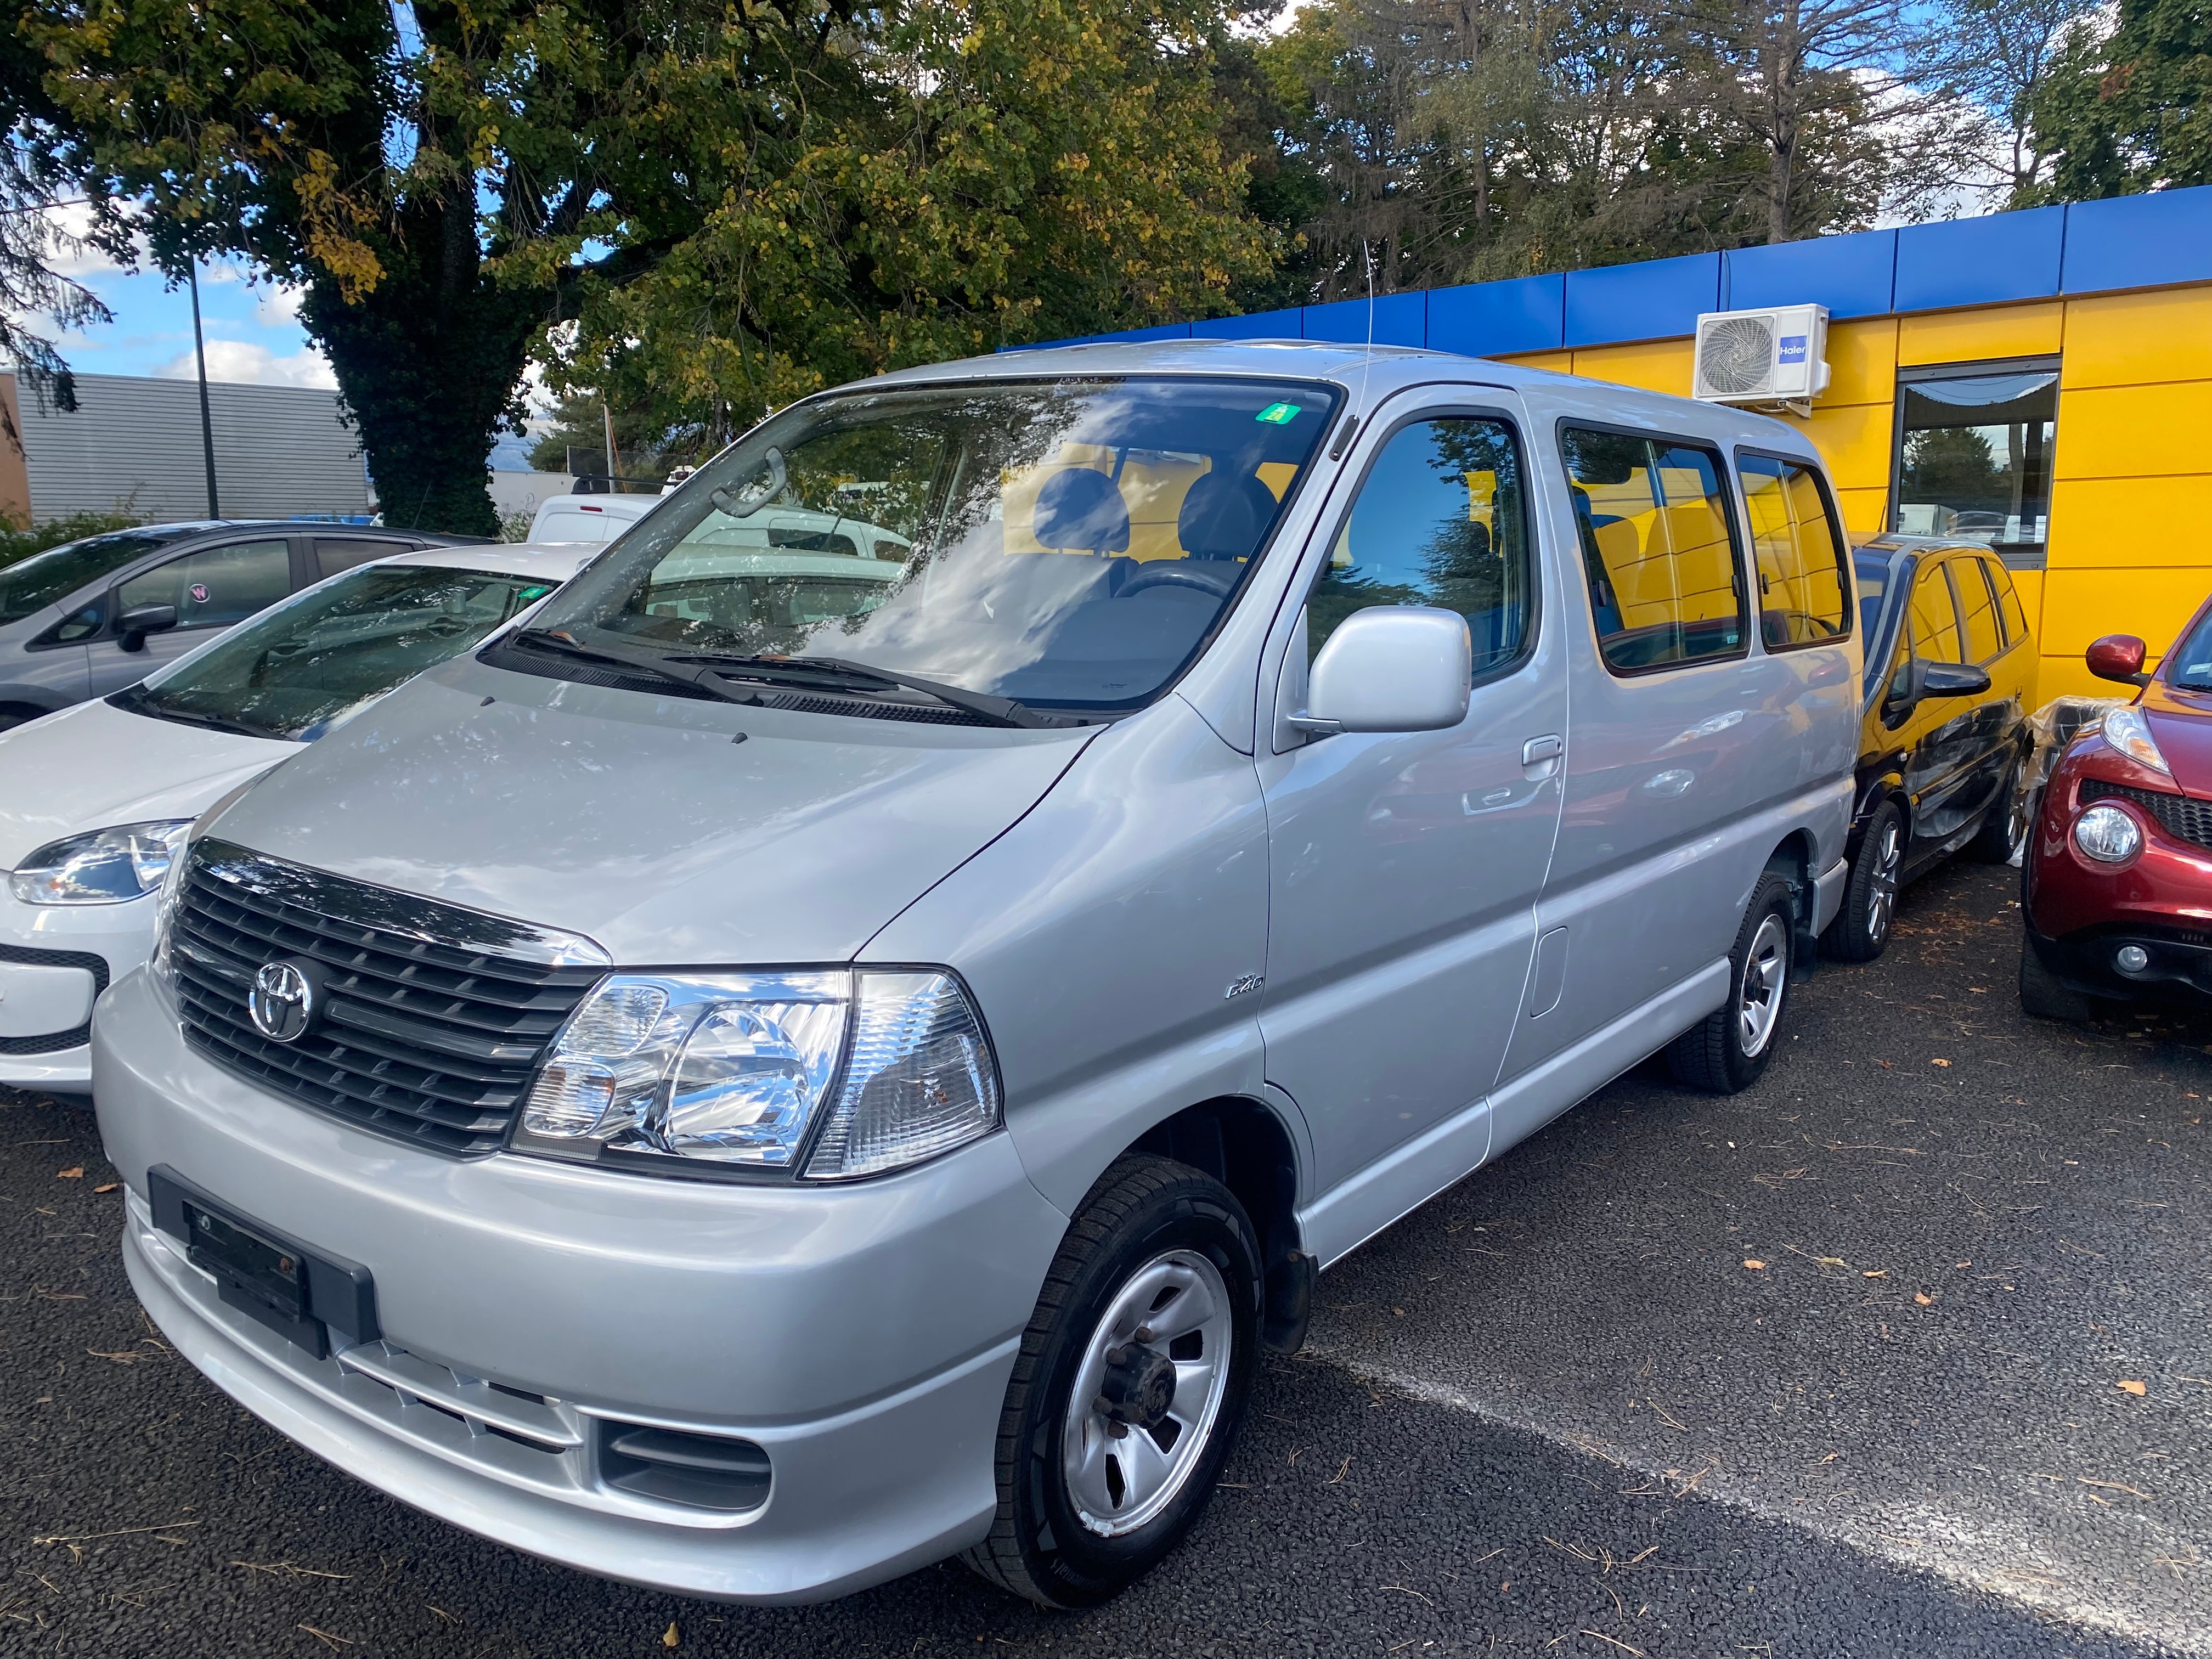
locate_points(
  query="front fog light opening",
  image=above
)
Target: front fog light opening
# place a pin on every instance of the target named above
(2131, 958)
(2108, 834)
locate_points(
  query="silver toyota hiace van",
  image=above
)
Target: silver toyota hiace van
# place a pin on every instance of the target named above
(824, 1053)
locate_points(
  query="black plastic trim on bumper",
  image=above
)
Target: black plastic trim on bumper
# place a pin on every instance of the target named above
(2180, 959)
(53, 1042)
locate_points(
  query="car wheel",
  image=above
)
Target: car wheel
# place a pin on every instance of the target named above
(1725, 1052)
(2044, 994)
(1131, 1379)
(1860, 932)
(2005, 825)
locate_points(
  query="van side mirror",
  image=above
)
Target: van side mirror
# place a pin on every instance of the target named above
(2117, 657)
(133, 627)
(1391, 668)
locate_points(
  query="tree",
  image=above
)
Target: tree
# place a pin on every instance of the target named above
(2130, 111)
(32, 184)
(1993, 59)
(954, 179)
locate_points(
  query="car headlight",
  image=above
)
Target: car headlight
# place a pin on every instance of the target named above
(735, 1071)
(101, 866)
(2128, 732)
(2107, 835)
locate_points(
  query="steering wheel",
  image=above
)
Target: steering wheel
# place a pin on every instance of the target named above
(1208, 577)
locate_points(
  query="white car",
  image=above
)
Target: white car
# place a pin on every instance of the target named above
(588, 519)
(93, 797)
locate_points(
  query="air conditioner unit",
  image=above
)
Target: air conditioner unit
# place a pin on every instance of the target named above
(1776, 356)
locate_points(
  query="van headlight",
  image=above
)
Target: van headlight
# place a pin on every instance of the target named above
(100, 867)
(737, 1070)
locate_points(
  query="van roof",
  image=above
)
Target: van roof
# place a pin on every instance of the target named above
(1369, 373)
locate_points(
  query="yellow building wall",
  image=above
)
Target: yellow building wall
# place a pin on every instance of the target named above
(2131, 486)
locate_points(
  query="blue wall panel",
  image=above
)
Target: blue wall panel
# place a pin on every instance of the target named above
(1400, 319)
(2139, 241)
(1646, 301)
(1490, 319)
(1259, 326)
(1972, 262)
(1849, 274)
(1139, 336)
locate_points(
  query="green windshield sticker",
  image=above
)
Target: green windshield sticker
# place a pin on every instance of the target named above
(1278, 414)
(535, 593)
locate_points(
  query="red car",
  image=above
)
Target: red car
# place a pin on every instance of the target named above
(2117, 888)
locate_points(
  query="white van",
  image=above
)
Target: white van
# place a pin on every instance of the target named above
(762, 1080)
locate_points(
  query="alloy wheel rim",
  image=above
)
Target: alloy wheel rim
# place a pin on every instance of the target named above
(1765, 980)
(1175, 1307)
(1881, 896)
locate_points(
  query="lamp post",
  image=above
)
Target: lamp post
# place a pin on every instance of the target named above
(207, 423)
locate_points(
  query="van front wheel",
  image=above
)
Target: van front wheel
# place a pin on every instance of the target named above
(1131, 1382)
(1725, 1052)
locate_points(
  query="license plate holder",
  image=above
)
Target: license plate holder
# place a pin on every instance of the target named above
(298, 1291)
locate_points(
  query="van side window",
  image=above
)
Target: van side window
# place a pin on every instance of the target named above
(1796, 552)
(1658, 548)
(1935, 619)
(1441, 519)
(1977, 610)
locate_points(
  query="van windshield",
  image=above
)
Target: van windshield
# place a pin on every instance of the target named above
(34, 583)
(1071, 544)
(294, 671)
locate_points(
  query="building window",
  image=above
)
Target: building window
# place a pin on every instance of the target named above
(1974, 454)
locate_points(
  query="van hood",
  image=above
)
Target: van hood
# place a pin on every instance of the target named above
(93, 765)
(2181, 724)
(644, 822)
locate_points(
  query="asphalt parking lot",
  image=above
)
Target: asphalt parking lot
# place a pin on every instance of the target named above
(1906, 1351)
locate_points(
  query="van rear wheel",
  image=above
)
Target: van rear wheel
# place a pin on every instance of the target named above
(1725, 1052)
(1131, 1382)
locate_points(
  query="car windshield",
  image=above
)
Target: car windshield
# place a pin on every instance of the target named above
(1068, 543)
(2190, 667)
(34, 583)
(296, 671)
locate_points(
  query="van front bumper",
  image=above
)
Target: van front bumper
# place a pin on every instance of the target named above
(862, 1336)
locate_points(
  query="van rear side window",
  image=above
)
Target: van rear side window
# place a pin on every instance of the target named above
(1658, 549)
(1797, 551)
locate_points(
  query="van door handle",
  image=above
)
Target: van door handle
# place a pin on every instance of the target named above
(1537, 750)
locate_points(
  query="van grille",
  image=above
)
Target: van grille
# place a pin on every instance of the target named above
(2178, 815)
(423, 1033)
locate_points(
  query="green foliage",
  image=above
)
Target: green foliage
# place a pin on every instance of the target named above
(20, 543)
(2133, 111)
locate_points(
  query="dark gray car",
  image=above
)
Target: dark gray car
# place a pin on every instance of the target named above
(93, 616)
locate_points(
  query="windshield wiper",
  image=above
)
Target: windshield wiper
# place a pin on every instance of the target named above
(840, 671)
(136, 700)
(644, 662)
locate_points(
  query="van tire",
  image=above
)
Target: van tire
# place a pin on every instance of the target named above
(2044, 994)
(1719, 1053)
(1143, 1212)
(1861, 930)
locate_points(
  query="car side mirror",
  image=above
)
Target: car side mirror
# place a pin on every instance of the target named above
(133, 627)
(1954, 679)
(1391, 668)
(2117, 657)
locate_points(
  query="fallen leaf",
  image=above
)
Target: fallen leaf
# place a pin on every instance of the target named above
(1939, 1062)
(107, 1187)
(668, 1637)
(75, 1173)
(1875, 1272)
(1754, 1264)
(2135, 1389)
(1830, 1261)
(1923, 1298)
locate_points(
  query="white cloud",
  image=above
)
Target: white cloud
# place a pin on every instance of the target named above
(70, 255)
(277, 306)
(240, 360)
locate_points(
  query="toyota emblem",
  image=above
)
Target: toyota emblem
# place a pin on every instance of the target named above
(282, 1002)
